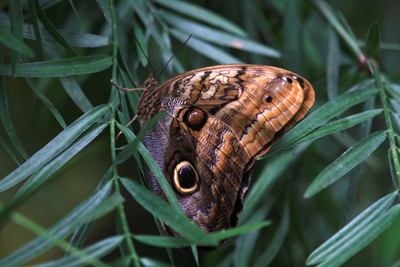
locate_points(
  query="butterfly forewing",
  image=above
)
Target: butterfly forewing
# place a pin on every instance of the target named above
(218, 120)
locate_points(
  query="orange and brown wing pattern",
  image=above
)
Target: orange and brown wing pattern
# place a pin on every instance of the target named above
(259, 103)
(218, 121)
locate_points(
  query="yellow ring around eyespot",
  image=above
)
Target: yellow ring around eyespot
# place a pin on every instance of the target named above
(176, 179)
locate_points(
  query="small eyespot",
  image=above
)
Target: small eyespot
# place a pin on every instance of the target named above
(186, 179)
(287, 79)
(195, 117)
(268, 98)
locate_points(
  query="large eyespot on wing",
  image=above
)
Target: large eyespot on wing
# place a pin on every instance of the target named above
(186, 179)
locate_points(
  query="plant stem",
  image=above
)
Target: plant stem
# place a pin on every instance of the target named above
(121, 213)
(390, 131)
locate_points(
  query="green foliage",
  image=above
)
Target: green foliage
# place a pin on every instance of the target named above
(61, 173)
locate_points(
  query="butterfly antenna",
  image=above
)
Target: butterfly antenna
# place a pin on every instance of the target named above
(179, 49)
(141, 49)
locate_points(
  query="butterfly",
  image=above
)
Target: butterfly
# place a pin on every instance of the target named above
(218, 121)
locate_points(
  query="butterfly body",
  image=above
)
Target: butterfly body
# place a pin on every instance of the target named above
(217, 121)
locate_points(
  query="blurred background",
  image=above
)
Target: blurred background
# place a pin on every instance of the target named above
(289, 34)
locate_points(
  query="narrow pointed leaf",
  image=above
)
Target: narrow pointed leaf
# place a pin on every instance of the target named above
(76, 39)
(79, 237)
(362, 238)
(60, 68)
(163, 241)
(373, 40)
(53, 148)
(202, 14)
(360, 222)
(85, 212)
(12, 42)
(7, 122)
(105, 8)
(339, 125)
(346, 162)
(218, 37)
(47, 102)
(15, 11)
(36, 28)
(8, 150)
(276, 243)
(51, 29)
(96, 251)
(147, 262)
(240, 230)
(246, 244)
(206, 49)
(174, 242)
(332, 65)
(41, 176)
(128, 150)
(154, 168)
(267, 178)
(322, 115)
(333, 19)
(161, 210)
(76, 93)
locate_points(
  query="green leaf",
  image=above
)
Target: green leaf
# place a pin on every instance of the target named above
(60, 68)
(15, 10)
(373, 40)
(334, 21)
(81, 233)
(140, 35)
(332, 65)
(43, 174)
(180, 242)
(155, 169)
(164, 212)
(218, 37)
(322, 115)
(53, 148)
(147, 262)
(105, 8)
(275, 245)
(350, 230)
(292, 35)
(362, 238)
(347, 161)
(364, 129)
(128, 150)
(164, 241)
(51, 29)
(36, 27)
(202, 14)
(75, 92)
(7, 122)
(74, 9)
(47, 102)
(8, 150)
(339, 125)
(95, 206)
(96, 251)
(240, 230)
(12, 42)
(246, 244)
(267, 178)
(207, 50)
(76, 39)
(70, 84)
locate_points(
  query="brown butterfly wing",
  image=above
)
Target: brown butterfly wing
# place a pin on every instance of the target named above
(218, 120)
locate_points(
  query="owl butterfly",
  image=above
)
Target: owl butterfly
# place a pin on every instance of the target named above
(218, 121)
